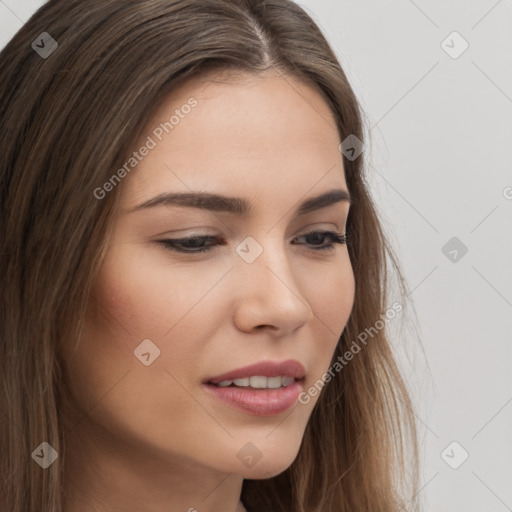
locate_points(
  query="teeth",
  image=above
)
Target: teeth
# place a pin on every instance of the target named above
(287, 381)
(274, 382)
(258, 382)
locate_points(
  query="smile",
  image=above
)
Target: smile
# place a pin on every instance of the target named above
(258, 382)
(266, 388)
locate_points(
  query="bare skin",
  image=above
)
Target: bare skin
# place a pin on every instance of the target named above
(153, 439)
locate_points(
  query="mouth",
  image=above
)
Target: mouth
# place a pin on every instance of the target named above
(264, 389)
(273, 374)
(257, 382)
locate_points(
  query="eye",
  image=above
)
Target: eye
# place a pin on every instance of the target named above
(196, 244)
(333, 236)
(193, 244)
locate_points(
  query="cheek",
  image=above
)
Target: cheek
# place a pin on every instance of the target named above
(142, 299)
(331, 296)
(135, 299)
(130, 303)
(123, 295)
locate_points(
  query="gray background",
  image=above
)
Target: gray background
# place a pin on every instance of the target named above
(439, 161)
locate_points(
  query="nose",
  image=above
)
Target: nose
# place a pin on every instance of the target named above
(268, 294)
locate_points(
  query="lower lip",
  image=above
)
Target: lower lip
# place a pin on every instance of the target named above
(258, 402)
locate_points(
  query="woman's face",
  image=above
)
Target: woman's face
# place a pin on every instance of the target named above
(162, 323)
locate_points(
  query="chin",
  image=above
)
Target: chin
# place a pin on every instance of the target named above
(267, 470)
(270, 465)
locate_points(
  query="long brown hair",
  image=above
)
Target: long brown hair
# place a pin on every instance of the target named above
(70, 118)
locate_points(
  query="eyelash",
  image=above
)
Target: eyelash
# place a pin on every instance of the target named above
(173, 244)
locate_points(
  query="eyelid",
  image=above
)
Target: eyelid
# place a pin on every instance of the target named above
(200, 232)
(334, 236)
(320, 226)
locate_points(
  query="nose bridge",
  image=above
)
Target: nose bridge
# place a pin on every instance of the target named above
(268, 284)
(264, 260)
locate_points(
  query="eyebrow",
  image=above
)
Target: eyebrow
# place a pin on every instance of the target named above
(237, 205)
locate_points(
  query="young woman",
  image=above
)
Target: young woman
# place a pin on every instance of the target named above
(195, 291)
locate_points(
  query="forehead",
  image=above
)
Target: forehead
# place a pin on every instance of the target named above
(246, 104)
(239, 132)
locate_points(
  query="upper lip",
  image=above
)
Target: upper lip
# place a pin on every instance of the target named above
(289, 368)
